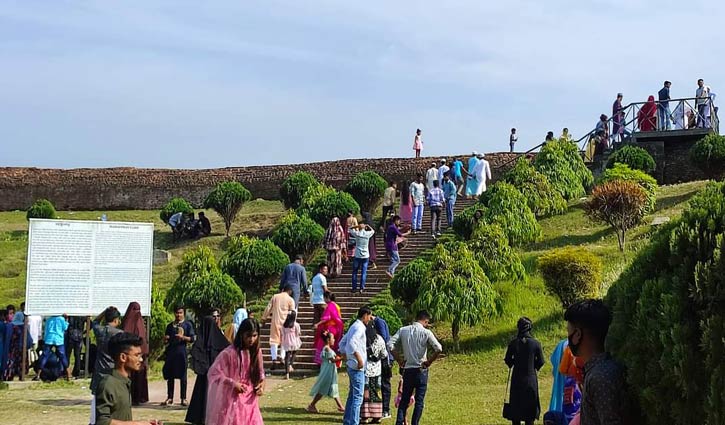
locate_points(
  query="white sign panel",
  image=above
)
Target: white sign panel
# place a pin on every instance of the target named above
(82, 267)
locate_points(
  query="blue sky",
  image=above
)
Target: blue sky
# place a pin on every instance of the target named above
(182, 84)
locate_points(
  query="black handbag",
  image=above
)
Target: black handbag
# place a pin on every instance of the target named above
(507, 411)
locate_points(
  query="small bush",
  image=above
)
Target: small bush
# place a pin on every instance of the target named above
(227, 199)
(562, 164)
(201, 285)
(634, 157)
(160, 317)
(571, 274)
(507, 207)
(407, 280)
(41, 208)
(324, 203)
(388, 313)
(645, 181)
(297, 235)
(542, 198)
(709, 154)
(253, 263)
(295, 187)
(174, 206)
(495, 256)
(464, 223)
(367, 189)
(620, 204)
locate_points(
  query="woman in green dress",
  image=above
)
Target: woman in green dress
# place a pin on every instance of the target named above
(326, 384)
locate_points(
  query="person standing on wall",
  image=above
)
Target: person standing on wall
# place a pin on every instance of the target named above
(513, 138)
(417, 143)
(417, 195)
(179, 333)
(702, 96)
(663, 109)
(295, 276)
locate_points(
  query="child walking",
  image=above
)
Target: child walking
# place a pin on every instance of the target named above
(291, 341)
(326, 384)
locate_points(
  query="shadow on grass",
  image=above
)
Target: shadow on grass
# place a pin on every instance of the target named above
(14, 235)
(295, 415)
(500, 340)
(568, 240)
(64, 402)
(671, 201)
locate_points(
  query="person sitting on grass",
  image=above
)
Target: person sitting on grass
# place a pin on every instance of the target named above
(203, 225)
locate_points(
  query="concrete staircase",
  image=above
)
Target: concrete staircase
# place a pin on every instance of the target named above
(349, 303)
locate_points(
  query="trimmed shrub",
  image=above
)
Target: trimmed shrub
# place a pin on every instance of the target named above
(645, 181)
(324, 203)
(407, 280)
(295, 187)
(367, 189)
(669, 317)
(41, 208)
(495, 256)
(708, 154)
(201, 285)
(160, 317)
(227, 199)
(562, 164)
(507, 207)
(541, 197)
(571, 274)
(387, 313)
(634, 157)
(465, 222)
(620, 204)
(457, 290)
(174, 206)
(297, 235)
(253, 263)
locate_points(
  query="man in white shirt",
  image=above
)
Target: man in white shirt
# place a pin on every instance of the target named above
(442, 170)
(482, 173)
(410, 346)
(389, 200)
(319, 287)
(702, 96)
(431, 175)
(362, 235)
(417, 194)
(513, 138)
(353, 346)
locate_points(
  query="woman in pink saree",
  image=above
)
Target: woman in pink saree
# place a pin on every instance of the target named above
(331, 321)
(236, 380)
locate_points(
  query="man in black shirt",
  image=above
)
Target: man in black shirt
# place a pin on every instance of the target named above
(664, 107)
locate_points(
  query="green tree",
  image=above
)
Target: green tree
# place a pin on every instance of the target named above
(634, 157)
(645, 181)
(495, 256)
(41, 208)
(541, 197)
(201, 285)
(227, 199)
(457, 290)
(253, 263)
(465, 222)
(709, 154)
(620, 204)
(295, 187)
(562, 164)
(297, 235)
(324, 203)
(508, 208)
(571, 274)
(367, 189)
(175, 205)
(669, 317)
(407, 280)
(160, 317)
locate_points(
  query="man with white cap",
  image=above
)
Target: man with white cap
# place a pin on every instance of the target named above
(430, 176)
(442, 170)
(482, 172)
(471, 184)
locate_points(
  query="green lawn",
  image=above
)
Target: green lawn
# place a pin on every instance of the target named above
(466, 387)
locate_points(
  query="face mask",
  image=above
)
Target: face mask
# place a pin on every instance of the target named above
(574, 347)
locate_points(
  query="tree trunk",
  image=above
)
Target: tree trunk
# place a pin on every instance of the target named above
(455, 330)
(620, 239)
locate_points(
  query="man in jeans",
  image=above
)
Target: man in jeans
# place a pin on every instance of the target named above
(362, 235)
(664, 107)
(436, 200)
(353, 347)
(391, 244)
(449, 192)
(413, 342)
(417, 194)
(54, 337)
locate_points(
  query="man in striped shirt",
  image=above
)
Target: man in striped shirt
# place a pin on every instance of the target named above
(436, 200)
(413, 342)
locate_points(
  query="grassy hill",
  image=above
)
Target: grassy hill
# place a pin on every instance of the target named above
(466, 387)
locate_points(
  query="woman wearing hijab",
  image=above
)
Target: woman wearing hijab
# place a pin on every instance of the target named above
(209, 343)
(647, 115)
(14, 362)
(406, 204)
(524, 355)
(239, 317)
(331, 321)
(133, 323)
(334, 242)
(372, 407)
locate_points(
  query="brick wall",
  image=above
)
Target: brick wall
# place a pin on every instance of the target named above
(142, 188)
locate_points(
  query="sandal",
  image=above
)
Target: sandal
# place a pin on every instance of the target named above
(168, 402)
(184, 403)
(310, 409)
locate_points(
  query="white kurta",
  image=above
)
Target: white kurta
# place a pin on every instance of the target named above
(482, 173)
(430, 176)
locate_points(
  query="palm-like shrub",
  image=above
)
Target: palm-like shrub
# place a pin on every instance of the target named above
(620, 204)
(571, 274)
(507, 207)
(407, 280)
(367, 189)
(709, 154)
(227, 199)
(253, 263)
(645, 181)
(295, 187)
(41, 208)
(634, 157)
(160, 318)
(540, 195)
(561, 163)
(175, 205)
(297, 235)
(495, 256)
